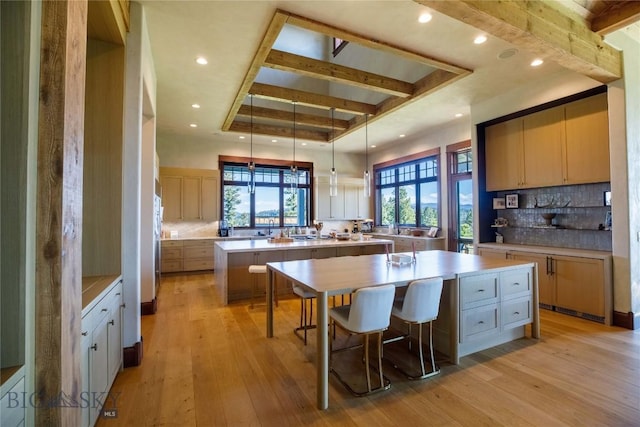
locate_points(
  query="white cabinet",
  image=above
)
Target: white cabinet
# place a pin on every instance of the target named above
(101, 351)
(349, 204)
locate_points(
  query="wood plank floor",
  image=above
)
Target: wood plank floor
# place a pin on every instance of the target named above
(206, 364)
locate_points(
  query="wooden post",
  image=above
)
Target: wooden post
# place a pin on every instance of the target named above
(59, 212)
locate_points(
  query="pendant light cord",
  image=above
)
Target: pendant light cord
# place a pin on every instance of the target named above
(366, 142)
(294, 134)
(333, 140)
(251, 133)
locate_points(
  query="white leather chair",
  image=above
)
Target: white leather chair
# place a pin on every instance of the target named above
(369, 313)
(305, 321)
(420, 305)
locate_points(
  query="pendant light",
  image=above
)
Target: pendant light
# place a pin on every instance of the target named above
(333, 175)
(367, 177)
(251, 184)
(294, 167)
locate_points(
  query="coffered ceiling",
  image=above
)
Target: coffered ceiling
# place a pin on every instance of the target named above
(401, 76)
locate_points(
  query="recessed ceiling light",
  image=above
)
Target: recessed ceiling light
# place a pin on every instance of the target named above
(373, 146)
(537, 62)
(480, 39)
(193, 125)
(241, 136)
(304, 143)
(507, 53)
(424, 18)
(202, 60)
(458, 114)
(195, 105)
(401, 136)
(274, 140)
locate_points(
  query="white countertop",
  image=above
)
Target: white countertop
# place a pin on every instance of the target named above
(264, 245)
(389, 236)
(217, 238)
(547, 250)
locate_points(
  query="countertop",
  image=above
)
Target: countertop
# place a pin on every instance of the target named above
(387, 235)
(93, 287)
(216, 238)
(264, 245)
(584, 253)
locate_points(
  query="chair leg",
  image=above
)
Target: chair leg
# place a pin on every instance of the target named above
(305, 321)
(422, 374)
(366, 362)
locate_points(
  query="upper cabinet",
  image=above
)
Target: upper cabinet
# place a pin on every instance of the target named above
(190, 194)
(349, 204)
(568, 144)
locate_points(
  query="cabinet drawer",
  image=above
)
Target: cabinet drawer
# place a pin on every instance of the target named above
(171, 253)
(478, 322)
(478, 290)
(198, 242)
(198, 252)
(172, 265)
(516, 312)
(198, 264)
(515, 283)
(171, 244)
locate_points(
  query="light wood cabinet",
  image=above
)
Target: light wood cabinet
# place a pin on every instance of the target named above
(187, 255)
(546, 282)
(349, 204)
(171, 256)
(190, 194)
(568, 144)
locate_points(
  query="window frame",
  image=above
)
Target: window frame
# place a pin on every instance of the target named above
(283, 167)
(397, 164)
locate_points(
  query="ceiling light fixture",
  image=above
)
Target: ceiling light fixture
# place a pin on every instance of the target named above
(537, 62)
(458, 114)
(202, 60)
(333, 175)
(480, 39)
(251, 184)
(294, 168)
(193, 125)
(366, 177)
(195, 105)
(424, 18)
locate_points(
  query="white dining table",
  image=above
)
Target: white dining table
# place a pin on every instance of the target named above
(343, 275)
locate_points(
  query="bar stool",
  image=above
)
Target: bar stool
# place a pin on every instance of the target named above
(420, 305)
(259, 269)
(369, 313)
(305, 296)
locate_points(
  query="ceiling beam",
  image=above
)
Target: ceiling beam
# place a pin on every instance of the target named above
(540, 29)
(287, 117)
(618, 16)
(282, 132)
(310, 99)
(310, 67)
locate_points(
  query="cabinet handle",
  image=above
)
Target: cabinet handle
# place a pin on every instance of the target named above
(515, 313)
(118, 294)
(516, 284)
(84, 333)
(123, 305)
(95, 347)
(112, 322)
(481, 322)
(480, 290)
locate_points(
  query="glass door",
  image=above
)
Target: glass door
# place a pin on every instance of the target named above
(460, 198)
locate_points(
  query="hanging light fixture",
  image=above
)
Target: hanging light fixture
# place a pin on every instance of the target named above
(251, 184)
(294, 167)
(367, 177)
(333, 175)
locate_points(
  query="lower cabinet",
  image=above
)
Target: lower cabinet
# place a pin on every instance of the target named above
(187, 255)
(577, 285)
(101, 351)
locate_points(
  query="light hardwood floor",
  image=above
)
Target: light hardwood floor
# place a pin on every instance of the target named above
(206, 364)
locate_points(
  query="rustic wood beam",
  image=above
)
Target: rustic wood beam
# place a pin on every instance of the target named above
(282, 132)
(310, 99)
(58, 249)
(324, 70)
(269, 38)
(287, 116)
(619, 16)
(538, 28)
(331, 31)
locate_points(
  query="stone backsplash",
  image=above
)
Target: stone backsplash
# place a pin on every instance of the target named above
(580, 215)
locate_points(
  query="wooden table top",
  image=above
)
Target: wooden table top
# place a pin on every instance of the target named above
(342, 274)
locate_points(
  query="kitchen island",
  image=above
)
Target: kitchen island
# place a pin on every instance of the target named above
(233, 258)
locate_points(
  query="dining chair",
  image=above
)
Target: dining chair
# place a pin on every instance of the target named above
(419, 305)
(305, 321)
(260, 269)
(369, 313)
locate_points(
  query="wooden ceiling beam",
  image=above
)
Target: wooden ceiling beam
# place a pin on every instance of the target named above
(287, 116)
(310, 99)
(277, 131)
(324, 70)
(618, 16)
(540, 29)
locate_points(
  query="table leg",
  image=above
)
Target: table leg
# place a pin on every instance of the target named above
(322, 340)
(270, 280)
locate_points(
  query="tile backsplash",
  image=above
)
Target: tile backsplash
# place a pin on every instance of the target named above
(580, 215)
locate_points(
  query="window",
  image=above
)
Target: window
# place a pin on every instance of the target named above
(338, 45)
(407, 193)
(275, 202)
(460, 197)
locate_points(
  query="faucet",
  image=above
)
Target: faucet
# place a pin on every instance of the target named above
(271, 224)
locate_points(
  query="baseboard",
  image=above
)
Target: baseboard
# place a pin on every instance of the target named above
(132, 356)
(626, 320)
(149, 307)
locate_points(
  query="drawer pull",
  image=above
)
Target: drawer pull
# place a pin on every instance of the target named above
(480, 290)
(104, 309)
(123, 305)
(112, 322)
(481, 322)
(516, 284)
(95, 347)
(118, 294)
(515, 313)
(85, 333)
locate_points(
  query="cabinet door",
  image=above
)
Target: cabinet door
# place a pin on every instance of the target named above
(85, 372)
(323, 201)
(587, 140)
(364, 207)
(210, 198)
(261, 258)
(503, 150)
(351, 202)
(98, 373)
(579, 284)
(191, 193)
(542, 142)
(114, 333)
(238, 277)
(171, 197)
(546, 280)
(318, 253)
(492, 253)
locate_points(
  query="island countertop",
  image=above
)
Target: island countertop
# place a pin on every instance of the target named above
(231, 246)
